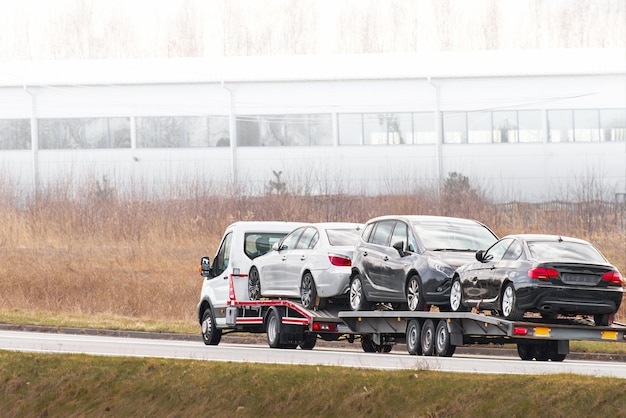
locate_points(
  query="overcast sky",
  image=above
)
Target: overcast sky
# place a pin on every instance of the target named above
(61, 29)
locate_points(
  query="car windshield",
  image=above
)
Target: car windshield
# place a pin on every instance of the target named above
(565, 251)
(453, 236)
(342, 237)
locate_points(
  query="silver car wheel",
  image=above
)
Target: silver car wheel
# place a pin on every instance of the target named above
(455, 296)
(414, 296)
(508, 300)
(356, 294)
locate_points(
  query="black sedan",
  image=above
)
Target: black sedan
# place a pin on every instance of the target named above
(547, 274)
(408, 261)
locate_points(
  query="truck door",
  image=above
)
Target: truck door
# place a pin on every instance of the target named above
(218, 284)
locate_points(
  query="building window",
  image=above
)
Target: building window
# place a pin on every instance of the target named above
(424, 128)
(505, 126)
(455, 127)
(479, 127)
(284, 130)
(586, 125)
(530, 126)
(84, 133)
(613, 124)
(15, 134)
(560, 125)
(387, 128)
(182, 131)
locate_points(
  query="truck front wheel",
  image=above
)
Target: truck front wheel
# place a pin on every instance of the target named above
(211, 335)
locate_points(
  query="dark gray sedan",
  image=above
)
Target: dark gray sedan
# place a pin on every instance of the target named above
(548, 274)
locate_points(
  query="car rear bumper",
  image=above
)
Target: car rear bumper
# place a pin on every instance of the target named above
(570, 301)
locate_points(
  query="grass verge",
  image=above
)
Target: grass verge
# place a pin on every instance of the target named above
(80, 385)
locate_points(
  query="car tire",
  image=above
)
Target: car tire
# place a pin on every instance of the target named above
(358, 301)
(508, 304)
(273, 327)
(211, 335)
(413, 337)
(456, 296)
(428, 337)
(414, 294)
(308, 291)
(254, 284)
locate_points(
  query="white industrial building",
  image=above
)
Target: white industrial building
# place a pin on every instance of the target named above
(523, 125)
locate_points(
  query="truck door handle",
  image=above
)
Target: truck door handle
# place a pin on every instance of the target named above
(385, 258)
(364, 253)
(302, 258)
(283, 258)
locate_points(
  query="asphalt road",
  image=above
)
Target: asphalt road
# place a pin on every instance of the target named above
(134, 346)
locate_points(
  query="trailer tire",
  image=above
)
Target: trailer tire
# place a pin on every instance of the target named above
(443, 345)
(273, 328)
(428, 337)
(413, 340)
(553, 352)
(367, 344)
(254, 284)
(211, 335)
(308, 341)
(525, 351)
(602, 320)
(541, 352)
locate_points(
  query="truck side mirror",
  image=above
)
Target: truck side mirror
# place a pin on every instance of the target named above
(480, 255)
(205, 267)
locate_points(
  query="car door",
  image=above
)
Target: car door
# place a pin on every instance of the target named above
(484, 281)
(375, 261)
(503, 268)
(278, 270)
(296, 258)
(218, 284)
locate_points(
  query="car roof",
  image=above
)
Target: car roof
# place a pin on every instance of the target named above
(424, 218)
(336, 225)
(264, 226)
(546, 237)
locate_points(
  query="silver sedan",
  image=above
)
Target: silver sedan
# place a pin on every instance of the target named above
(312, 263)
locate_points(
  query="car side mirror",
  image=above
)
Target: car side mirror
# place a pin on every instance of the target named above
(275, 246)
(399, 246)
(205, 267)
(480, 255)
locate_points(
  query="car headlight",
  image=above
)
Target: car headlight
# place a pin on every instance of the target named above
(440, 267)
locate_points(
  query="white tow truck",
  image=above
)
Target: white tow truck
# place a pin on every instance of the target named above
(225, 307)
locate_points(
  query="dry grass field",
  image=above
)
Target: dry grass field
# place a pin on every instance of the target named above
(101, 257)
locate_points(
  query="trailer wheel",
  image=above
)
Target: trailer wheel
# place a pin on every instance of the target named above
(541, 352)
(308, 341)
(273, 328)
(413, 341)
(358, 302)
(211, 335)
(443, 346)
(428, 337)
(369, 346)
(254, 284)
(553, 352)
(414, 295)
(525, 351)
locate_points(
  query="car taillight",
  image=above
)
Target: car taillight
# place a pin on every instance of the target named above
(337, 260)
(542, 273)
(613, 277)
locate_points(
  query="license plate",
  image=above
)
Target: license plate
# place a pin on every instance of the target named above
(609, 335)
(584, 279)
